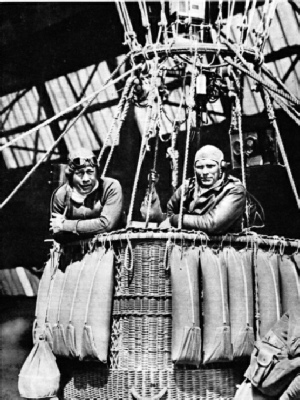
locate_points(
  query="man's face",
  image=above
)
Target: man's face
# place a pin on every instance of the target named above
(84, 179)
(207, 172)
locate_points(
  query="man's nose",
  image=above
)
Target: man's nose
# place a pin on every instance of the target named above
(85, 177)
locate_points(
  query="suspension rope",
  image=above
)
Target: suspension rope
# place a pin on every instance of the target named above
(257, 78)
(250, 19)
(270, 74)
(292, 113)
(188, 135)
(145, 138)
(65, 111)
(238, 110)
(117, 133)
(130, 35)
(117, 117)
(151, 188)
(273, 121)
(145, 20)
(35, 167)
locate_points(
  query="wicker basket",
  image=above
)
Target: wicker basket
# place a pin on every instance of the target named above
(140, 363)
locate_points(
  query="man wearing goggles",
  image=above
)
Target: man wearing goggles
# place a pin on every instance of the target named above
(86, 205)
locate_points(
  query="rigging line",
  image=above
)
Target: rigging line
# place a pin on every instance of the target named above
(35, 167)
(189, 128)
(254, 75)
(145, 138)
(250, 19)
(270, 74)
(117, 133)
(90, 97)
(117, 117)
(293, 114)
(273, 121)
(145, 20)
(269, 20)
(229, 19)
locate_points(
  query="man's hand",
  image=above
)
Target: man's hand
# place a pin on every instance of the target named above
(56, 222)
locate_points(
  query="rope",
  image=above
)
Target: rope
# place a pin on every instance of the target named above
(145, 20)
(143, 147)
(268, 72)
(76, 288)
(189, 125)
(56, 116)
(151, 188)
(238, 111)
(117, 133)
(257, 78)
(272, 118)
(222, 290)
(293, 114)
(116, 118)
(245, 290)
(250, 19)
(35, 167)
(190, 290)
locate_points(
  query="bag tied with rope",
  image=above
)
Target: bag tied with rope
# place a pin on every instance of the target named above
(241, 306)
(289, 274)
(186, 332)
(216, 335)
(269, 304)
(39, 376)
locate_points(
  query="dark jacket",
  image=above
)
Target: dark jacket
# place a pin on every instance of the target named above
(275, 361)
(217, 211)
(100, 212)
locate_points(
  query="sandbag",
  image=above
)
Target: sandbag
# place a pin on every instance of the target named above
(241, 306)
(44, 293)
(186, 335)
(61, 312)
(98, 309)
(269, 306)
(290, 282)
(39, 376)
(216, 335)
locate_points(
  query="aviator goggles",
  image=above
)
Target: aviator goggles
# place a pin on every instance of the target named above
(80, 162)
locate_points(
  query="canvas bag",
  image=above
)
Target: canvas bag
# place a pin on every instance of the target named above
(44, 289)
(98, 310)
(290, 282)
(186, 335)
(268, 290)
(39, 376)
(241, 306)
(216, 335)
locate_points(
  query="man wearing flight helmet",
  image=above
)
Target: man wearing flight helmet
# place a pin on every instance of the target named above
(213, 201)
(87, 204)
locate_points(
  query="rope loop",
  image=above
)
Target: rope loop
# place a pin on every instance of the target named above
(282, 246)
(128, 254)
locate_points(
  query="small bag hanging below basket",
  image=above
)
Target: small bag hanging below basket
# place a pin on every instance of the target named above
(39, 377)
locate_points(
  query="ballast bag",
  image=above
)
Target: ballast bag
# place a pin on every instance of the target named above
(60, 317)
(186, 334)
(241, 306)
(216, 335)
(39, 376)
(98, 308)
(268, 290)
(290, 282)
(41, 302)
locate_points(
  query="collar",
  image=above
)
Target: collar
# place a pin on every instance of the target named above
(80, 198)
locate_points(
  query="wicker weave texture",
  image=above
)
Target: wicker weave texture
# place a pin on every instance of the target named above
(201, 384)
